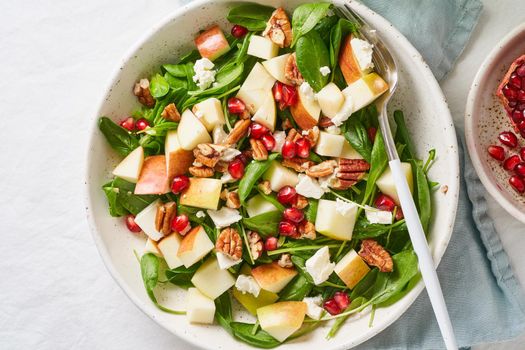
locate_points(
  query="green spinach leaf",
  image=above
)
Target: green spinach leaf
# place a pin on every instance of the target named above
(122, 200)
(177, 70)
(253, 172)
(357, 135)
(337, 34)
(403, 136)
(181, 276)
(311, 210)
(159, 87)
(379, 161)
(251, 16)
(266, 224)
(223, 311)
(422, 191)
(306, 17)
(312, 54)
(118, 138)
(296, 290)
(259, 339)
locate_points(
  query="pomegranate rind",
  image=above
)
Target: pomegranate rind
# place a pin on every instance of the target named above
(499, 92)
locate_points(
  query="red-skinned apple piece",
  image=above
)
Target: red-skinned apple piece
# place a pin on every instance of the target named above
(212, 43)
(153, 178)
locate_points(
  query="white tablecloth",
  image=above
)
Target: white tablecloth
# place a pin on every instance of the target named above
(56, 56)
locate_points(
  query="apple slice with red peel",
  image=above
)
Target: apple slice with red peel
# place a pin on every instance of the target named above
(348, 62)
(511, 93)
(212, 43)
(178, 160)
(153, 178)
(305, 112)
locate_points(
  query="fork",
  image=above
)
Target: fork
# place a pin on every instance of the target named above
(385, 65)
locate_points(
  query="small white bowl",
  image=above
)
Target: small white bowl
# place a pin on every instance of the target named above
(485, 118)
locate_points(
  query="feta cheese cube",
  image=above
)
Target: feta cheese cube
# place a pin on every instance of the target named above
(224, 217)
(309, 187)
(247, 284)
(376, 216)
(319, 266)
(225, 262)
(313, 307)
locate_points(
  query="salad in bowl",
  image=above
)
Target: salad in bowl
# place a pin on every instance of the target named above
(256, 175)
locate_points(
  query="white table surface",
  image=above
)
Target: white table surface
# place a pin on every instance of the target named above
(55, 58)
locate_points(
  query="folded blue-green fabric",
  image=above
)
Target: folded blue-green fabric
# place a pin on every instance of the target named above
(484, 298)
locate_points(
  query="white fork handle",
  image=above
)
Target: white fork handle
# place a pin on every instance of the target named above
(426, 263)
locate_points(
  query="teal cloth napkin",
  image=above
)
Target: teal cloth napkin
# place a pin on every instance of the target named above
(485, 301)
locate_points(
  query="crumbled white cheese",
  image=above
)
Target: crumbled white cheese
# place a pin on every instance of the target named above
(328, 181)
(309, 187)
(227, 178)
(343, 207)
(225, 262)
(315, 129)
(307, 91)
(363, 51)
(325, 71)
(247, 284)
(228, 154)
(319, 266)
(200, 214)
(280, 138)
(219, 135)
(376, 216)
(334, 130)
(224, 217)
(204, 73)
(313, 307)
(345, 112)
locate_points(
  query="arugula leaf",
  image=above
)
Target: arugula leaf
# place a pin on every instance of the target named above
(306, 17)
(251, 16)
(118, 138)
(181, 276)
(266, 224)
(357, 135)
(158, 87)
(260, 339)
(296, 290)
(312, 54)
(253, 172)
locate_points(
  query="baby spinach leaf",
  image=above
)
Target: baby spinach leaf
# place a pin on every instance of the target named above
(190, 56)
(251, 16)
(306, 17)
(181, 276)
(422, 192)
(116, 209)
(118, 138)
(223, 311)
(324, 27)
(266, 224)
(403, 136)
(337, 34)
(122, 200)
(378, 164)
(177, 70)
(159, 87)
(312, 54)
(300, 263)
(311, 211)
(253, 172)
(259, 339)
(174, 82)
(296, 290)
(356, 134)
(356, 303)
(226, 78)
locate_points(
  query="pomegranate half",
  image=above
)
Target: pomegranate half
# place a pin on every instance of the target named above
(511, 93)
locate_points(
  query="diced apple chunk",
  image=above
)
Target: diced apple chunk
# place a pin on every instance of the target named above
(130, 167)
(365, 90)
(349, 152)
(146, 221)
(151, 247)
(280, 176)
(351, 269)
(282, 319)
(169, 247)
(272, 277)
(276, 66)
(202, 193)
(330, 145)
(257, 205)
(332, 223)
(153, 178)
(191, 131)
(194, 246)
(211, 280)
(386, 183)
(348, 62)
(255, 88)
(252, 303)
(306, 111)
(212, 43)
(266, 114)
(331, 99)
(178, 160)
(209, 113)
(262, 47)
(199, 308)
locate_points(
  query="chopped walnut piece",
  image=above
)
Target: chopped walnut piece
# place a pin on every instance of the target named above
(206, 154)
(375, 255)
(279, 29)
(285, 261)
(201, 171)
(300, 165)
(256, 244)
(291, 71)
(165, 213)
(239, 130)
(259, 151)
(307, 230)
(325, 122)
(229, 242)
(171, 113)
(312, 135)
(141, 90)
(265, 187)
(325, 168)
(301, 202)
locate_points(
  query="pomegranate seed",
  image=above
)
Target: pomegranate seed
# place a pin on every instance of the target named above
(293, 214)
(269, 141)
(517, 183)
(236, 168)
(236, 106)
(257, 130)
(508, 138)
(302, 147)
(399, 214)
(384, 202)
(342, 299)
(521, 96)
(271, 244)
(510, 93)
(286, 228)
(179, 184)
(332, 307)
(522, 153)
(496, 152)
(242, 157)
(287, 195)
(515, 81)
(278, 91)
(142, 124)
(289, 149)
(511, 162)
(517, 116)
(239, 31)
(521, 70)
(290, 96)
(521, 125)
(128, 124)
(131, 224)
(372, 134)
(520, 169)
(180, 223)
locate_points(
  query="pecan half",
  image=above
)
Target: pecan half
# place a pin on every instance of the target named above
(291, 71)
(231, 198)
(171, 113)
(259, 151)
(239, 130)
(201, 171)
(165, 213)
(265, 187)
(325, 122)
(307, 230)
(256, 244)
(206, 154)
(350, 172)
(301, 202)
(221, 166)
(293, 135)
(312, 135)
(322, 169)
(353, 165)
(285, 261)
(300, 165)
(279, 29)
(229, 242)
(375, 255)
(340, 184)
(141, 90)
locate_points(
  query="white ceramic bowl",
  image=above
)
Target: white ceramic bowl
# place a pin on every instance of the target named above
(419, 95)
(485, 118)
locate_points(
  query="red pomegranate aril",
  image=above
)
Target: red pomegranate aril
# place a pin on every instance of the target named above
(517, 183)
(508, 138)
(236, 106)
(384, 202)
(510, 93)
(278, 91)
(293, 214)
(372, 133)
(302, 147)
(286, 228)
(257, 130)
(517, 116)
(236, 169)
(522, 153)
(520, 169)
(131, 224)
(515, 81)
(521, 125)
(520, 71)
(269, 141)
(289, 149)
(289, 95)
(141, 124)
(511, 162)
(332, 307)
(342, 299)
(239, 31)
(287, 195)
(399, 214)
(271, 244)
(128, 124)
(496, 152)
(179, 223)
(179, 184)
(243, 158)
